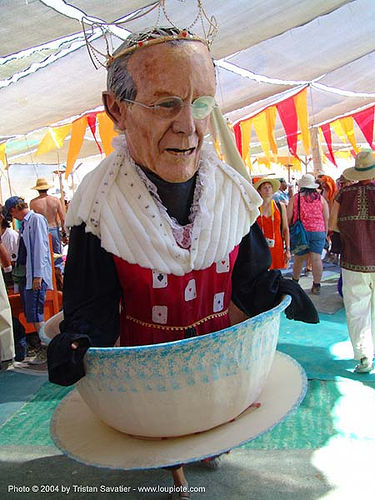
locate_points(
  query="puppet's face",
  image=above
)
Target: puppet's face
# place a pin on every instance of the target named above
(169, 146)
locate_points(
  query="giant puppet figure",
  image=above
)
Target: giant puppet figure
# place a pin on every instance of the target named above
(161, 225)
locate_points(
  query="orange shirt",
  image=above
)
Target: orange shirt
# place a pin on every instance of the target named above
(270, 227)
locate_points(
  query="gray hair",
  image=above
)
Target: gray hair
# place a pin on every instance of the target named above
(119, 79)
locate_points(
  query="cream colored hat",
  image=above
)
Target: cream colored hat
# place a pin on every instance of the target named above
(41, 184)
(274, 182)
(92, 442)
(307, 181)
(364, 167)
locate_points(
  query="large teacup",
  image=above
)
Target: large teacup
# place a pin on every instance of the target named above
(181, 387)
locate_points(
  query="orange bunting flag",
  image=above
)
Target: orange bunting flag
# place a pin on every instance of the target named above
(365, 121)
(288, 116)
(106, 132)
(54, 139)
(348, 127)
(300, 101)
(76, 141)
(245, 138)
(328, 138)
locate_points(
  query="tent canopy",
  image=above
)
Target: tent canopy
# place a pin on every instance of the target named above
(264, 51)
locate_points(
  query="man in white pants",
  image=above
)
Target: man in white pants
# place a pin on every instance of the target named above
(353, 215)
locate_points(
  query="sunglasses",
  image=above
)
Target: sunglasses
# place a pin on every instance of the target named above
(170, 107)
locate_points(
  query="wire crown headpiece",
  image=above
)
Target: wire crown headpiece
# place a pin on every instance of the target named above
(146, 38)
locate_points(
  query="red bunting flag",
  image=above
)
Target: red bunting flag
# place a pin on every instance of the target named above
(91, 120)
(238, 137)
(365, 121)
(326, 129)
(289, 119)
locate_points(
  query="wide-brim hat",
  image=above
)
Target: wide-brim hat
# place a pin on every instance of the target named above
(41, 184)
(364, 167)
(92, 442)
(274, 182)
(307, 181)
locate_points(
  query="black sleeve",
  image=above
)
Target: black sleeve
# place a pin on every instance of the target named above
(256, 289)
(91, 300)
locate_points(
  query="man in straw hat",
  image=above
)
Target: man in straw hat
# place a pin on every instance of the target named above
(51, 208)
(353, 215)
(162, 224)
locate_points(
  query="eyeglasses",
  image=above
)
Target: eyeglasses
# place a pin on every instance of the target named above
(170, 107)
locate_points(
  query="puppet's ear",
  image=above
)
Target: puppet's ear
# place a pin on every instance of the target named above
(115, 109)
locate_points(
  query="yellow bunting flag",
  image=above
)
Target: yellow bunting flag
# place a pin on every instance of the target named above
(76, 140)
(271, 120)
(245, 134)
(300, 102)
(106, 132)
(261, 130)
(347, 124)
(53, 139)
(3, 157)
(339, 131)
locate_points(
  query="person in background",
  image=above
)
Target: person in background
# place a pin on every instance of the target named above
(51, 208)
(9, 237)
(7, 349)
(353, 216)
(33, 270)
(273, 222)
(282, 194)
(314, 216)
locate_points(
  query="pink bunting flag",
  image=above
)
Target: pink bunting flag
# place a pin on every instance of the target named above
(289, 119)
(238, 137)
(365, 121)
(326, 129)
(91, 120)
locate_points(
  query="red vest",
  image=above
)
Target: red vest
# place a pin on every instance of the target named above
(161, 307)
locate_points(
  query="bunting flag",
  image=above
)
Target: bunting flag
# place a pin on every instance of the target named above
(347, 124)
(91, 120)
(76, 140)
(300, 102)
(261, 130)
(326, 129)
(3, 157)
(288, 116)
(271, 120)
(53, 139)
(106, 132)
(237, 136)
(365, 121)
(339, 131)
(245, 127)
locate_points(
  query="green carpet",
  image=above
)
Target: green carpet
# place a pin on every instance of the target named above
(30, 424)
(324, 350)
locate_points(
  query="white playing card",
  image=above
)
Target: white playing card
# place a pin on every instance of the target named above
(190, 290)
(222, 266)
(218, 302)
(159, 280)
(160, 314)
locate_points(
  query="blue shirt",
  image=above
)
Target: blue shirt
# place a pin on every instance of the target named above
(281, 196)
(38, 257)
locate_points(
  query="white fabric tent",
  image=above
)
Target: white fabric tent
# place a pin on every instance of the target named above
(264, 51)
